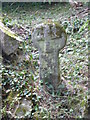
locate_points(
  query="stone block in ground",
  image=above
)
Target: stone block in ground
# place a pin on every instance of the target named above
(9, 42)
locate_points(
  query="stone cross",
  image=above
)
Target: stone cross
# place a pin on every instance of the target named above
(49, 38)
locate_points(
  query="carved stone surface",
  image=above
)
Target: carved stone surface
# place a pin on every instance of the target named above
(49, 38)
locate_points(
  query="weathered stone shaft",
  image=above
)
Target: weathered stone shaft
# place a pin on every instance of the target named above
(49, 39)
(49, 68)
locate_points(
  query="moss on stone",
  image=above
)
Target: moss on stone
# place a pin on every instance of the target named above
(8, 32)
(21, 109)
(58, 26)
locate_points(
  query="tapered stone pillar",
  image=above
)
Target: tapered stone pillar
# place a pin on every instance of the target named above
(49, 38)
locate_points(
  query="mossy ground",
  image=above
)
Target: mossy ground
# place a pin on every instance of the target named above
(71, 101)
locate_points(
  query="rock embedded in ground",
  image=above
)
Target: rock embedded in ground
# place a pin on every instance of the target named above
(24, 108)
(9, 42)
(49, 38)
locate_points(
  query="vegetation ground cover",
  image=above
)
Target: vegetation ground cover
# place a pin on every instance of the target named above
(21, 82)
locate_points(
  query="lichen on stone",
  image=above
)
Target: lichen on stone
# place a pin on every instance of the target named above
(57, 28)
(49, 38)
